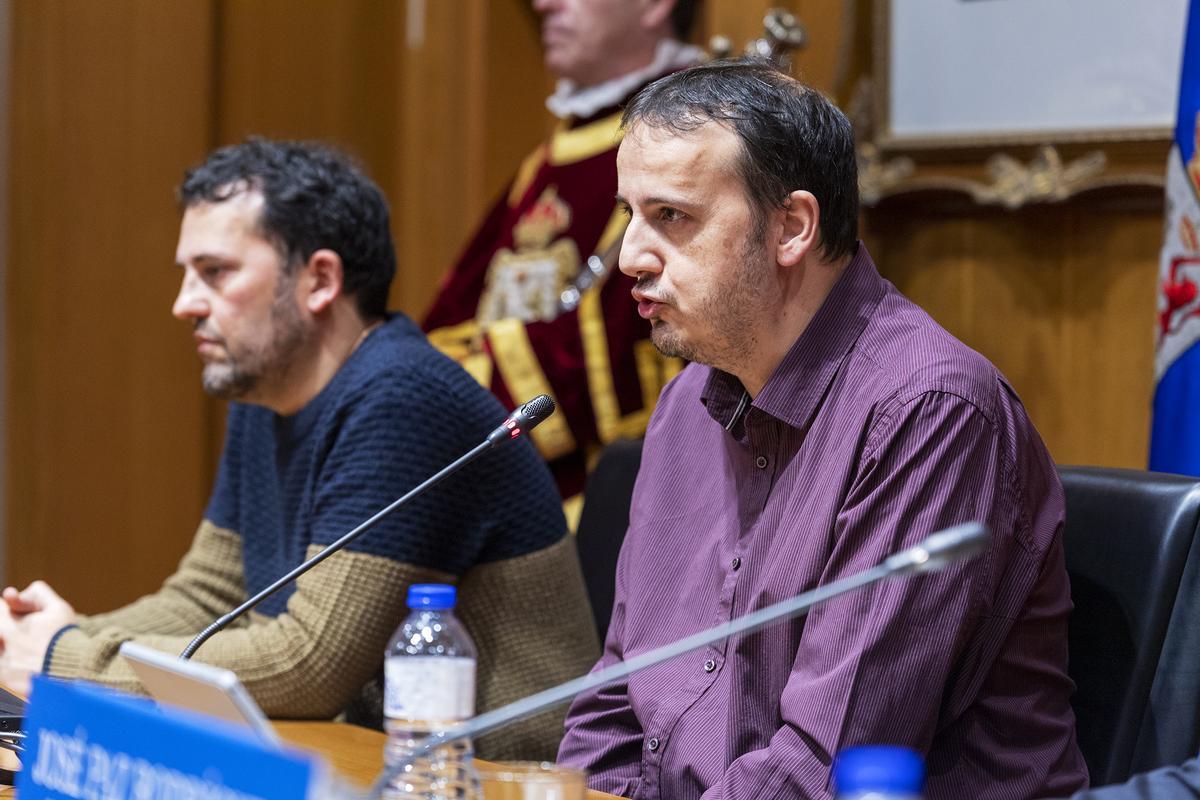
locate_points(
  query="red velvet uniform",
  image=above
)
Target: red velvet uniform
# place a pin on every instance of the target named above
(500, 313)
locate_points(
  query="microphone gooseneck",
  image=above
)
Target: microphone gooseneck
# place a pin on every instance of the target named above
(519, 422)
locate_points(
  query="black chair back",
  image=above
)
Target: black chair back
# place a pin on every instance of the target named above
(1129, 550)
(603, 522)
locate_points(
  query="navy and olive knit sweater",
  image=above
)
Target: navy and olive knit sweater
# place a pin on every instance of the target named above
(395, 413)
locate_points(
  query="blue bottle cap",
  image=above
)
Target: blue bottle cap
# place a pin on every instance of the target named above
(434, 596)
(878, 768)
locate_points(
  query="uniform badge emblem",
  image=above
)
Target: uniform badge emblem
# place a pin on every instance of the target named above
(527, 283)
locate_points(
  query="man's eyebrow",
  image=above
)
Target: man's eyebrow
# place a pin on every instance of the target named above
(202, 259)
(656, 200)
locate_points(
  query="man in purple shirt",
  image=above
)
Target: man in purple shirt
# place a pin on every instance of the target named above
(824, 423)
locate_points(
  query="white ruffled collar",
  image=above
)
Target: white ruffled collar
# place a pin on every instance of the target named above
(570, 101)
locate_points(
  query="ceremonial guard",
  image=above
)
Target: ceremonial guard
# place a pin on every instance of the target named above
(534, 305)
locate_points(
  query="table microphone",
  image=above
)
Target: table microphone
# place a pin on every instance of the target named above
(935, 552)
(519, 422)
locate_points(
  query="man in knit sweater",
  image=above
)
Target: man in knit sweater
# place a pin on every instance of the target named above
(338, 409)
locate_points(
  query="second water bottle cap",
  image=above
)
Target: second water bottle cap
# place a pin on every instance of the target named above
(434, 596)
(878, 768)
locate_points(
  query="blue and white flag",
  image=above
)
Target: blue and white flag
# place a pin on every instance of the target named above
(1175, 433)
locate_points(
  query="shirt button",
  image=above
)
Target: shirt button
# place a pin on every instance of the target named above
(737, 562)
(652, 745)
(761, 462)
(710, 665)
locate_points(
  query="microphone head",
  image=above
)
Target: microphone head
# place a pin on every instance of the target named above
(534, 412)
(941, 549)
(523, 419)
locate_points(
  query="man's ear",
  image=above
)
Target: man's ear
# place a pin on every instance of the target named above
(321, 280)
(801, 228)
(656, 12)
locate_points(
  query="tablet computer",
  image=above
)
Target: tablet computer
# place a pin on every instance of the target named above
(198, 687)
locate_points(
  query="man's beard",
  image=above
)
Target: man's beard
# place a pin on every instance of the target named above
(245, 370)
(732, 311)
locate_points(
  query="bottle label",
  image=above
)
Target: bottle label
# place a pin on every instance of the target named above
(429, 688)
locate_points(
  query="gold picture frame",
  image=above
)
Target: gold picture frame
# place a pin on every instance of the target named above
(1001, 166)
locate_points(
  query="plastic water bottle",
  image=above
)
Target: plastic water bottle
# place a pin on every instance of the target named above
(429, 685)
(878, 772)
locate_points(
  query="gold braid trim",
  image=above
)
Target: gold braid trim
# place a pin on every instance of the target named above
(654, 369)
(522, 374)
(525, 175)
(464, 343)
(609, 423)
(570, 146)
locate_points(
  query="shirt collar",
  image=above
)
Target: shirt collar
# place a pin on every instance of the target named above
(795, 388)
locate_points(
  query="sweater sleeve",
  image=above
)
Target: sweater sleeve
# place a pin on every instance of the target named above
(308, 662)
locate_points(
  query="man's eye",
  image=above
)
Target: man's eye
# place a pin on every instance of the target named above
(668, 214)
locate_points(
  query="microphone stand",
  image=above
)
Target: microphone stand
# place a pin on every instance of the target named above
(519, 422)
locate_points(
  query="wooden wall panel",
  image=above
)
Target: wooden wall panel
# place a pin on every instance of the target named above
(311, 69)
(1060, 298)
(824, 62)
(107, 432)
(5, 110)
(441, 141)
(111, 444)
(738, 20)
(515, 115)
(473, 91)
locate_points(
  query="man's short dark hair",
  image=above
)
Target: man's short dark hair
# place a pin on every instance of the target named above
(314, 198)
(791, 137)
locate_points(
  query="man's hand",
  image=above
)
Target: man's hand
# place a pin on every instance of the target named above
(22, 603)
(28, 621)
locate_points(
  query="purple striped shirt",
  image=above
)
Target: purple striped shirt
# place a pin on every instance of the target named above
(877, 428)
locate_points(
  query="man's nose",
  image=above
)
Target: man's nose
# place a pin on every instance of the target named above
(638, 256)
(190, 303)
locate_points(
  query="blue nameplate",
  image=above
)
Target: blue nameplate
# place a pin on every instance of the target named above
(95, 744)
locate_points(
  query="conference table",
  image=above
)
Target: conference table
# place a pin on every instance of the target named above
(355, 753)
